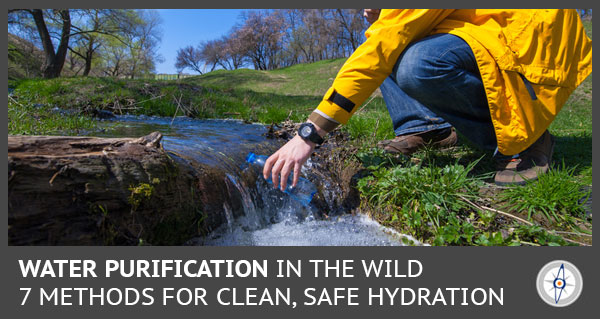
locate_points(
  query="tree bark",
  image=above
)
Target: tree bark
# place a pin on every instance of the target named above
(54, 61)
(103, 191)
(88, 58)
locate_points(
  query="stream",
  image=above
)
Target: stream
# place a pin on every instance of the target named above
(270, 217)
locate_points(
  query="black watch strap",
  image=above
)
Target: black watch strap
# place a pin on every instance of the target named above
(316, 138)
(313, 136)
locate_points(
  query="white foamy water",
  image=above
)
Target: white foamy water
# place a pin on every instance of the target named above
(344, 230)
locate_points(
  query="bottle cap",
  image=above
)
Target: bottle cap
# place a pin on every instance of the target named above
(251, 157)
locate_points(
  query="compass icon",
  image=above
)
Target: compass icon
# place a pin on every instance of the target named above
(559, 283)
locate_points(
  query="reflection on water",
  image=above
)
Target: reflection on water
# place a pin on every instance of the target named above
(270, 217)
(221, 143)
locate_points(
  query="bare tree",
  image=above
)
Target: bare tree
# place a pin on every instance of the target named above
(352, 25)
(234, 49)
(228, 52)
(291, 46)
(261, 34)
(188, 57)
(271, 39)
(213, 53)
(585, 13)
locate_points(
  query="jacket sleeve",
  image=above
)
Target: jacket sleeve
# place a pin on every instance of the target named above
(372, 62)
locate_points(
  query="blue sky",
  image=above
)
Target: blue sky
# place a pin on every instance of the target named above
(183, 27)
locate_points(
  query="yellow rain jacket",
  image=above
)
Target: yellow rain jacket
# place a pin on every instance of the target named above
(530, 62)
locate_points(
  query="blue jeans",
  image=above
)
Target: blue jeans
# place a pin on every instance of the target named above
(436, 84)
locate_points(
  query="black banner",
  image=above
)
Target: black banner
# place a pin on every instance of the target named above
(381, 281)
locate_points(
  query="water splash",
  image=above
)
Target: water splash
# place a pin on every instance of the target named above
(344, 230)
(253, 212)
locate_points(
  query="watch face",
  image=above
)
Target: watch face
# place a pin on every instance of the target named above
(305, 131)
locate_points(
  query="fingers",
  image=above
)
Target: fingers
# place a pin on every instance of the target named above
(289, 157)
(275, 172)
(296, 174)
(285, 173)
(269, 164)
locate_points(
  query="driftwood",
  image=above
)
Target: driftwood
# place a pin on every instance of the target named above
(102, 191)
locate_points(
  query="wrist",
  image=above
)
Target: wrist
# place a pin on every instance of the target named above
(312, 144)
(319, 130)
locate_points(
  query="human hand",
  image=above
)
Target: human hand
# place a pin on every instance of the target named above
(289, 157)
(371, 15)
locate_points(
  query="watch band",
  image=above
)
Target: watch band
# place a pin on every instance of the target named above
(313, 136)
(316, 138)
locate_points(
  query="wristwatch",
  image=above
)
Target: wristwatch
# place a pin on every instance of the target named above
(308, 132)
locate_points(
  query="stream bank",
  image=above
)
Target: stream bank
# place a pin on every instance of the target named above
(184, 181)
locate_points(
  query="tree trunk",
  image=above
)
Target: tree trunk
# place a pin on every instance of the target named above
(102, 191)
(54, 61)
(88, 57)
(88, 65)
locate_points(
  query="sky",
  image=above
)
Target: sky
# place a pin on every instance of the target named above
(183, 27)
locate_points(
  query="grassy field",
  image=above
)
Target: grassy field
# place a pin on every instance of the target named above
(441, 197)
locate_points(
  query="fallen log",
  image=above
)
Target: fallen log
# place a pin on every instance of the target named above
(72, 190)
(66, 190)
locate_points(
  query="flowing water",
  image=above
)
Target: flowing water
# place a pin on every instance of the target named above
(263, 216)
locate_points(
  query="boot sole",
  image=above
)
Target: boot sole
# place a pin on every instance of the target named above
(525, 181)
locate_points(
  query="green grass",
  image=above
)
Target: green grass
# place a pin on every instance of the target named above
(41, 120)
(23, 60)
(573, 131)
(298, 80)
(423, 200)
(151, 97)
(555, 197)
(587, 25)
(440, 201)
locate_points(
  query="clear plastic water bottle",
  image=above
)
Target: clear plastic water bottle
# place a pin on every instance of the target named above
(304, 190)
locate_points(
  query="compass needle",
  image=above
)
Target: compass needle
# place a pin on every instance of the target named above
(562, 277)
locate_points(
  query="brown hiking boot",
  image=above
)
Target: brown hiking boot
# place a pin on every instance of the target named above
(529, 165)
(508, 164)
(410, 143)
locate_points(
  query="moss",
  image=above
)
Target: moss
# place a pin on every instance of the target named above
(139, 193)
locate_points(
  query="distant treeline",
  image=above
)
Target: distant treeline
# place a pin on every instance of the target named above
(125, 42)
(163, 76)
(585, 13)
(272, 39)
